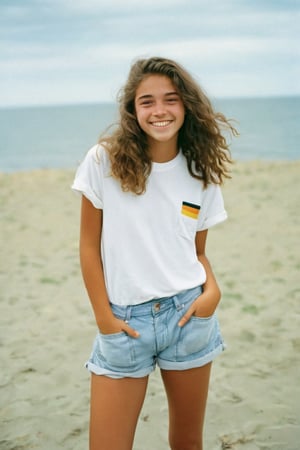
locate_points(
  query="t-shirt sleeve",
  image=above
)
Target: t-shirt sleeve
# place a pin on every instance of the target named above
(212, 209)
(88, 179)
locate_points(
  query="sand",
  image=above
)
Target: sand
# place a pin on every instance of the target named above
(47, 326)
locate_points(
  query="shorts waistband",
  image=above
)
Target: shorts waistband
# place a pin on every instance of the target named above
(157, 305)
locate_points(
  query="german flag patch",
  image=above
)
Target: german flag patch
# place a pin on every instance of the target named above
(190, 209)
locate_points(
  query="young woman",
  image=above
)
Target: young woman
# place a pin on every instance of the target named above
(150, 191)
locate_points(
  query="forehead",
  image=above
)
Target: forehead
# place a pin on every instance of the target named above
(155, 84)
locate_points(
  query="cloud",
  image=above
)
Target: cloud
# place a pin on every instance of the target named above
(65, 51)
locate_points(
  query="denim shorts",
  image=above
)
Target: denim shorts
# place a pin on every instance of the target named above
(162, 342)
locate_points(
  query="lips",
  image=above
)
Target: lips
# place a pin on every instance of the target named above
(161, 124)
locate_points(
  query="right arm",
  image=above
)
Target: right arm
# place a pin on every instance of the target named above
(92, 270)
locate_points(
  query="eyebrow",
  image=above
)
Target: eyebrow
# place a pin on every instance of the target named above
(168, 94)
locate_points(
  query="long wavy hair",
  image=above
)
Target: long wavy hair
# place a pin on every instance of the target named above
(200, 139)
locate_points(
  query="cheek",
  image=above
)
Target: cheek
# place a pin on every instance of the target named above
(140, 118)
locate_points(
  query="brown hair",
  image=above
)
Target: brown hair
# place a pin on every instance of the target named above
(200, 138)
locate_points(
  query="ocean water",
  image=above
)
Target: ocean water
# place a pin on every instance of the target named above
(58, 137)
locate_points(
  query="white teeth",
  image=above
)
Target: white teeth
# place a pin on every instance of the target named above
(161, 124)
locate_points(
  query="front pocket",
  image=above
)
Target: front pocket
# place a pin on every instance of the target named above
(115, 349)
(187, 227)
(195, 335)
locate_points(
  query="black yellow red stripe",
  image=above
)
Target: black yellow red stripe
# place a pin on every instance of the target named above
(190, 209)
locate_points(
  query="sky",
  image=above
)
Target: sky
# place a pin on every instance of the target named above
(80, 51)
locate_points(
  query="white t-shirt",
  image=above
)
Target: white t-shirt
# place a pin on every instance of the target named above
(148, 241)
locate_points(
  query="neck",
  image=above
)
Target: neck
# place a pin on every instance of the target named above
(163, 151)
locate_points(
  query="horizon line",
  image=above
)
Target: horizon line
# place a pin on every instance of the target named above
(112, 103)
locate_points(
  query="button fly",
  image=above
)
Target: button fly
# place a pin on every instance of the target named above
(156, 307)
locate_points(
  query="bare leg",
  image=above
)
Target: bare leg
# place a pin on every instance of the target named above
(187, 394)
(115, 408)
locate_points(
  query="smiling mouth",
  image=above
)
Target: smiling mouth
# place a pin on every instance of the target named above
(161, 124)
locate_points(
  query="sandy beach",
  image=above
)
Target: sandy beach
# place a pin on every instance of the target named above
(47, 326)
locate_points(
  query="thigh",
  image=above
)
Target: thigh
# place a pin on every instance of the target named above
(187, 394)
(115, 408)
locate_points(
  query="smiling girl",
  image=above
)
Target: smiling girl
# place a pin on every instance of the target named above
(150, 191)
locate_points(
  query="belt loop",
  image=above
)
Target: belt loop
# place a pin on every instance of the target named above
(177, 303)
(128, 313)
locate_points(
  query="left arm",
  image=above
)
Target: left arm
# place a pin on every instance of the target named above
(206, 304)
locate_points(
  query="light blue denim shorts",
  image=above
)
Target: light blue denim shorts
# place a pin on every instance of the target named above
(162, 342)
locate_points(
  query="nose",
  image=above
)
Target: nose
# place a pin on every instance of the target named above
(159, 109)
